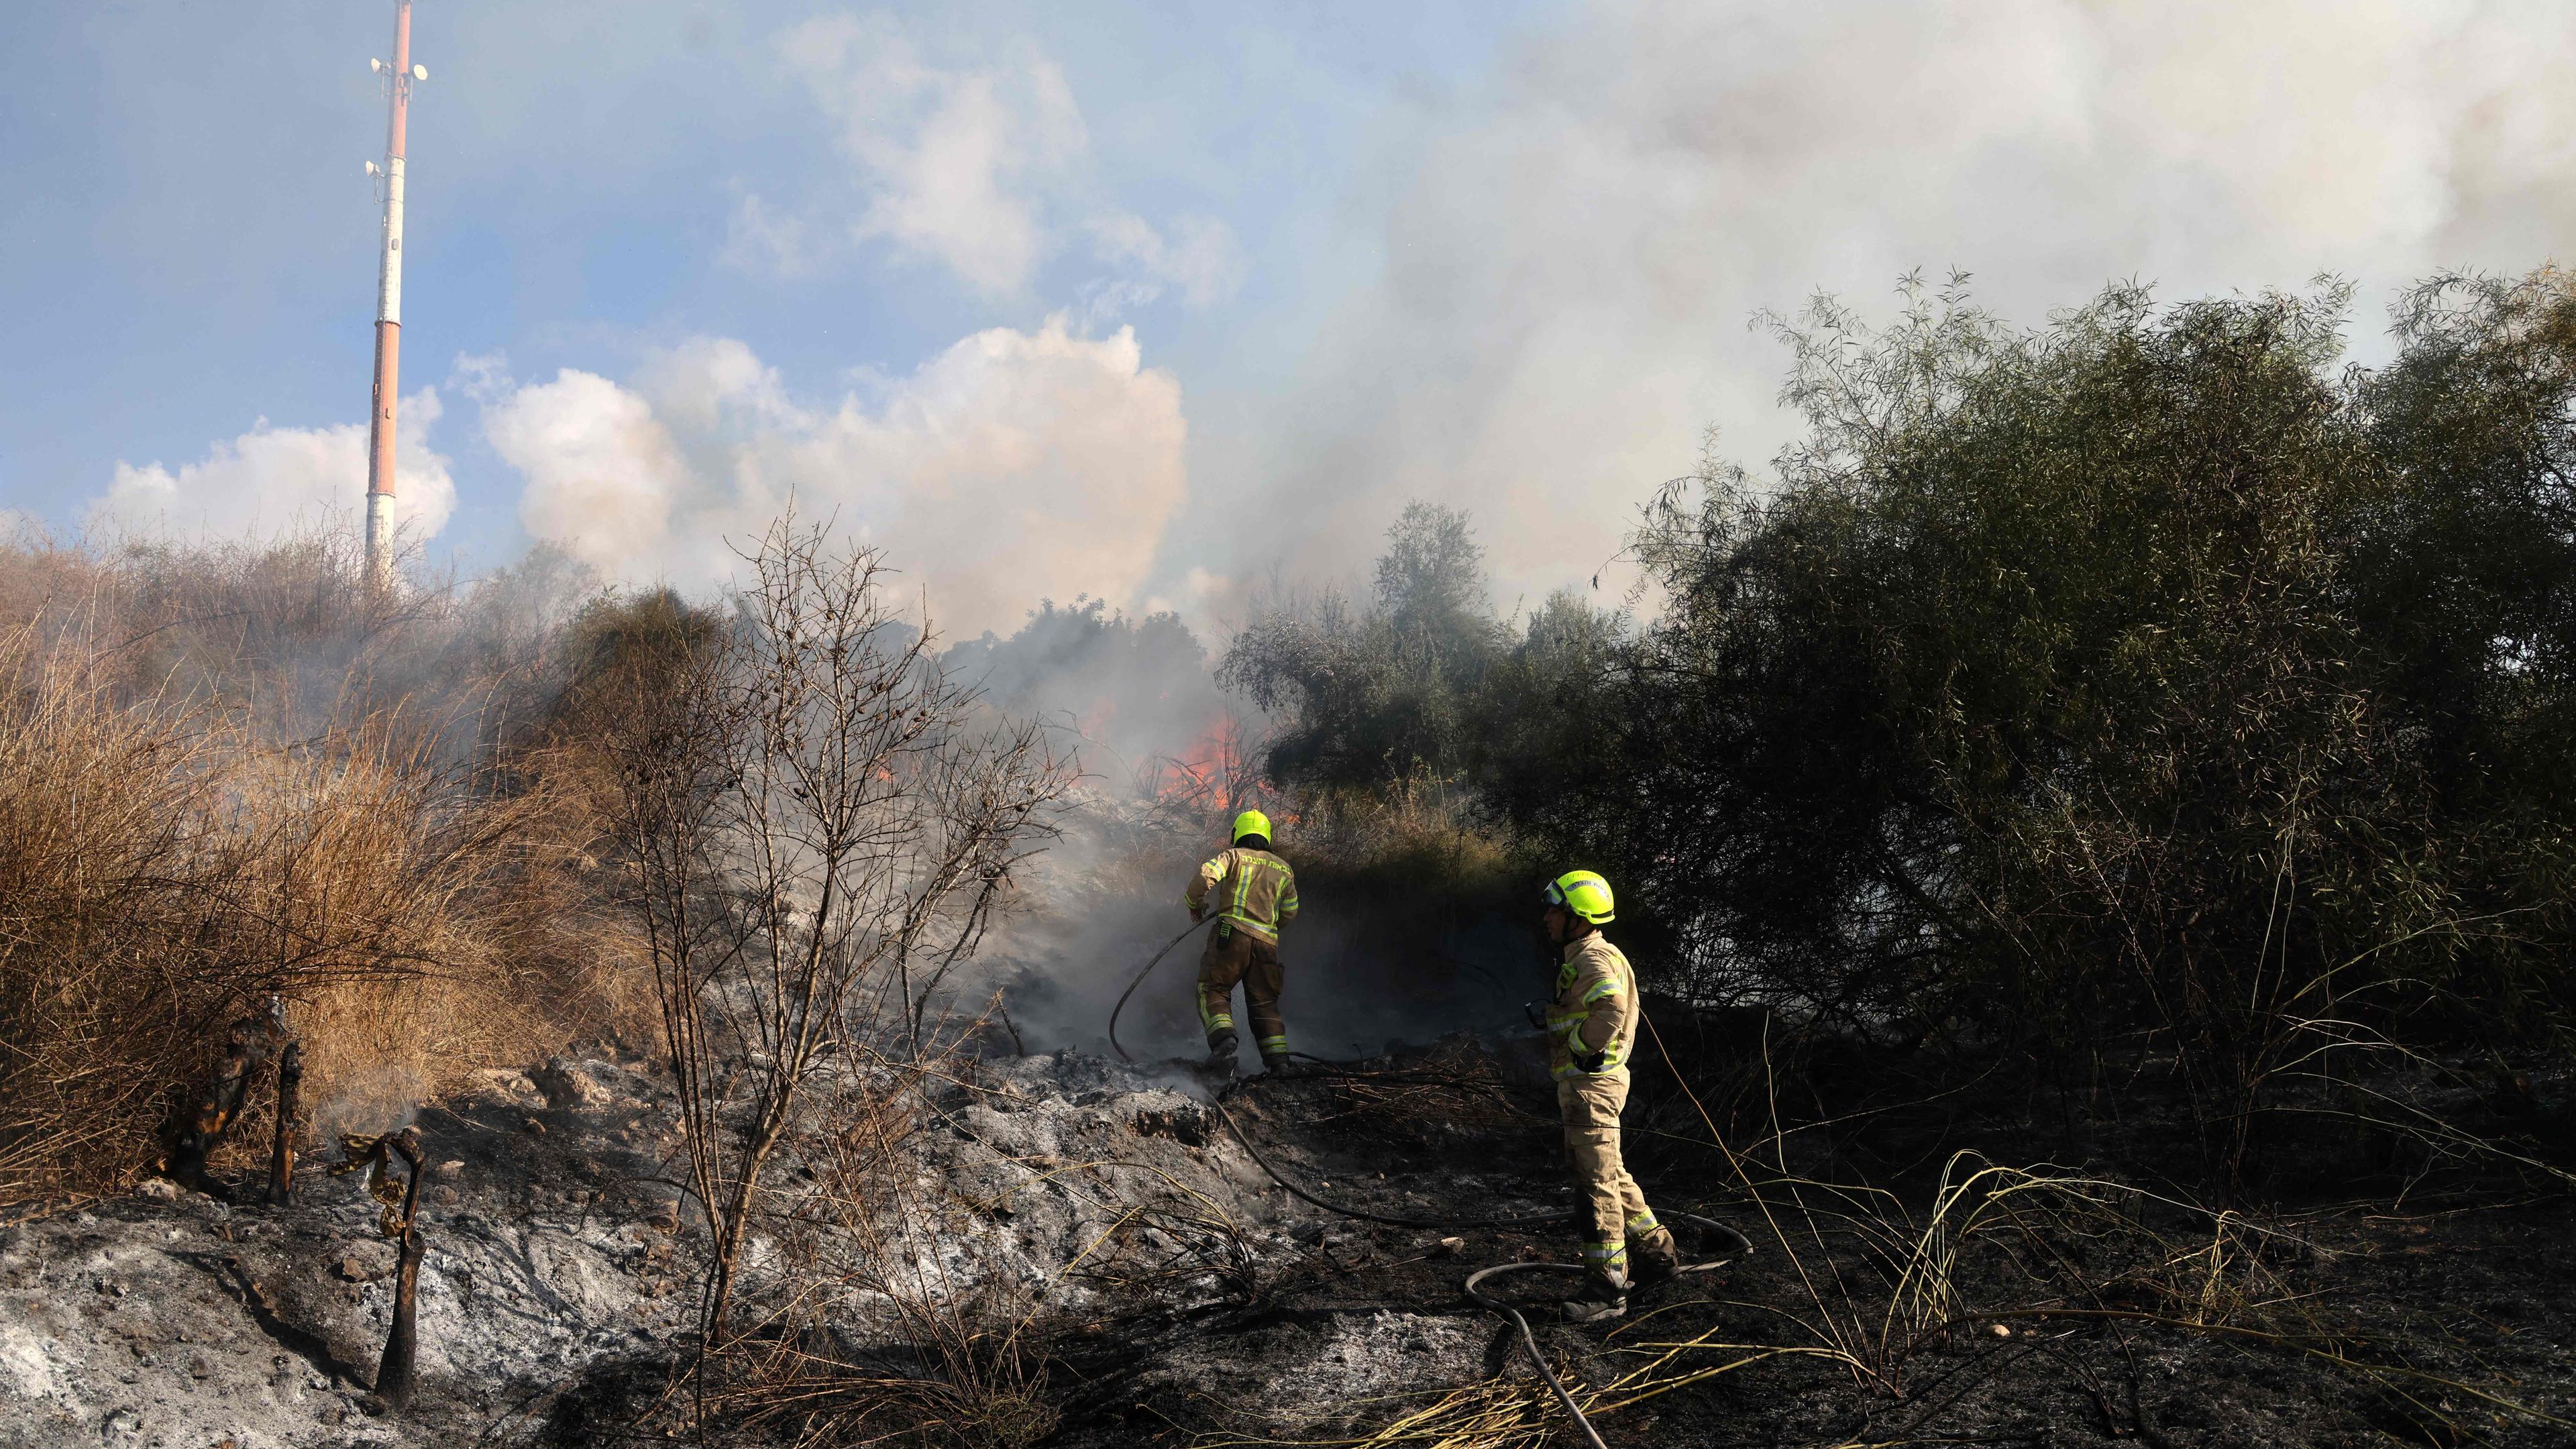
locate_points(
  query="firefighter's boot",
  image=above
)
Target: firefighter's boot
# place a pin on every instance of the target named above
(1280, 1064)
(1221, 1050)
(1604, 1297)
(1653, 1263)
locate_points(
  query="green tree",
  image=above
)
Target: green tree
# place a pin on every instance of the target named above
(2142, 677)
(1372, 696)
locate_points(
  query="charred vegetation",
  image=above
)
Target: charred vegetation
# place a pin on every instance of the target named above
(2093, 829)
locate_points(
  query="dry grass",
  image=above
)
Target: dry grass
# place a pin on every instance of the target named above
(226, 775)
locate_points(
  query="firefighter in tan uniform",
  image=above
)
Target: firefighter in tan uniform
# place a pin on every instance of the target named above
(1592, 1029)
(1253, 894)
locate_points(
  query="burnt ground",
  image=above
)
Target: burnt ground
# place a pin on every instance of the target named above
(2363, 1289)
(169, 1318)
(2359, 1294)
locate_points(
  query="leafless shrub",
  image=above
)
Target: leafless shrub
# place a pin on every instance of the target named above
(820, 827)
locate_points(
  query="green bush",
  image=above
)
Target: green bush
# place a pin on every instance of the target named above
(2141, 678)
(1372, 696)
(2149, 681)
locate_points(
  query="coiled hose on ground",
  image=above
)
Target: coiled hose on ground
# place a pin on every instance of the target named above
(1475, 1294)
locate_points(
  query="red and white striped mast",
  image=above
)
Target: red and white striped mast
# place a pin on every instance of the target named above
(380, 423)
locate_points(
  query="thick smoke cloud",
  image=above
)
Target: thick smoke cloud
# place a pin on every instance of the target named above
(1570, 255)
(1012, 466)
(273, 480)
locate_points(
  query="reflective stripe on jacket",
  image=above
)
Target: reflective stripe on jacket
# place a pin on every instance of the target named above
(1253, 889)
(1595, 1009)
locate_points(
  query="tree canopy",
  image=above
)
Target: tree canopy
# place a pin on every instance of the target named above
(2153, 675)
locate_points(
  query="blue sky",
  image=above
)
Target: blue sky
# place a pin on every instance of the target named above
(193, 242)
(1159, 296)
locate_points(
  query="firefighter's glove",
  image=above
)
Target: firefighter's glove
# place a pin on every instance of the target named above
(1197, 915)
(1593, 1062)
(1536, 1012)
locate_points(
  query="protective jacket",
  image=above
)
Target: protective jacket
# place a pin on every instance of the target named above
(1251, 890)
(1595, 1010)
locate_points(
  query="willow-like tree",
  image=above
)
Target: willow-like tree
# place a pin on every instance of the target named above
(2150, 681)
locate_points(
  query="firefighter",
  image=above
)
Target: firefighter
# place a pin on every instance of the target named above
(1255, 895)
(1592, 1031)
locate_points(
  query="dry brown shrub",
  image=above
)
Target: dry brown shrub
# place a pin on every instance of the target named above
(227, 774)
(99, 812)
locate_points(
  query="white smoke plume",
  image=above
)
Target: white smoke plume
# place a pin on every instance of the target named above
(953, 161)
(1555, 286)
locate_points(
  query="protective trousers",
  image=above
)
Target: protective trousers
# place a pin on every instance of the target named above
(1238, 955)
(1614, 1211)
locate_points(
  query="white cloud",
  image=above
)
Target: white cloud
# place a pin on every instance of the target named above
(763, 238)
(481, 376)
(1012, 466)
(981, 166)
(1572, 250)
(273, 480)
(956, 164)
(1200, 257)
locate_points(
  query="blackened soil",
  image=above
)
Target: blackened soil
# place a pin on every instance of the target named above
(2358, 1291)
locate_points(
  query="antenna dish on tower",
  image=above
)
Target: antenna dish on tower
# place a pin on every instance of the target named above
(420, 72)
(375, 65)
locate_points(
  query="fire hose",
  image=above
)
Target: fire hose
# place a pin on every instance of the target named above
(1475, 1294)
(1139, 980)
(1194, 928)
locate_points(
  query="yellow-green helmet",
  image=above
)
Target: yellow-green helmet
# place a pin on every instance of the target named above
(1583, 893)
(1251, 822)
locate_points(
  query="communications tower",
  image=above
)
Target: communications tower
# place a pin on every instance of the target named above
(380, 419)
